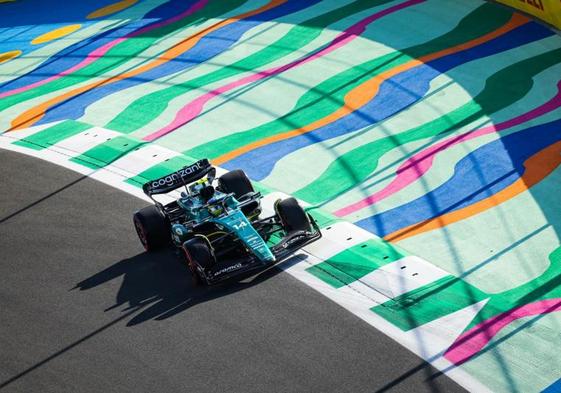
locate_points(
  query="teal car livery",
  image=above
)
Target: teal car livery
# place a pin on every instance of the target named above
(219, 230)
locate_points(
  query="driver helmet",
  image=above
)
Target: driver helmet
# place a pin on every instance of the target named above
(197, 186)
(202, 187)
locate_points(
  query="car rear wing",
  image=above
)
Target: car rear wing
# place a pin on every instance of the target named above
(186, 175)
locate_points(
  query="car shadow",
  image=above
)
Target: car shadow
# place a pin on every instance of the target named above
(160, 286)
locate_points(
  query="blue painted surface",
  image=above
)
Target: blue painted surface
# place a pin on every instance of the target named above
(74, 54)
(395, 95)
(22, 26)
(207, 48)
(553, 388)
(478, 176)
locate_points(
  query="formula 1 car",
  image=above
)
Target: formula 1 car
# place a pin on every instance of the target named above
(219, 230)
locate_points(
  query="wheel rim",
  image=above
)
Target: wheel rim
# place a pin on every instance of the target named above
(141, 233)
(192, 269)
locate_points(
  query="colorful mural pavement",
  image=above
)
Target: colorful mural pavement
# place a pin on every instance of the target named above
(433, 124)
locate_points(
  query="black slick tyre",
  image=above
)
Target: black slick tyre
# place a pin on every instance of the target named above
(198, 252)
(152, 228)
(238, 183)
(292, 216)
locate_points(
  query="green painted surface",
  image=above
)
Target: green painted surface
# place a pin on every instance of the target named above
(123, 52)
(322, 217)
(355, 262)
(53, 135)
(450, 294)
(313, 106)
(150, 106)
(545, 286)
(107, 152)
(430, 302)
(502, 89)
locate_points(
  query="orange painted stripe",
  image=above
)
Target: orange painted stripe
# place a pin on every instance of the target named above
(537, 168)
(365, 92)
(33, 115)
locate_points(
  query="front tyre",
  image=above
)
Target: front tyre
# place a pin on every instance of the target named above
(152, 228)
(198, 252)
(292, 216)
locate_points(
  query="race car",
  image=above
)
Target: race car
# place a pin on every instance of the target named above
(219, 231)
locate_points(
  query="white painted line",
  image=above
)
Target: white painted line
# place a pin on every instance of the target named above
(357, 297)
(359, 302)
(441, 333)
(62, 159)
(84, 141)
(402, 276)
(339, 237)
(137, 161)
(132, 164)
(268, 202)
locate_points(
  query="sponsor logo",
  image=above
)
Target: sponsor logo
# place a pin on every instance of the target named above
(180, 174)
(295, 239)
(229, 269)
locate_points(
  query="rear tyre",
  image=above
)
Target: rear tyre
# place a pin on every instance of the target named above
(238, 183)
(152, 228)
(198, 252)
(292, 216)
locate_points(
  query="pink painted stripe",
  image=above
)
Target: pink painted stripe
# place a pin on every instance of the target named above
(101, 51)
(474, 340)
(195, 107)
(416, 166)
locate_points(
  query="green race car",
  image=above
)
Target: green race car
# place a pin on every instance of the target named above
(220, 230)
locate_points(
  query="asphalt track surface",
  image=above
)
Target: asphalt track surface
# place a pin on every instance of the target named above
(84, 309)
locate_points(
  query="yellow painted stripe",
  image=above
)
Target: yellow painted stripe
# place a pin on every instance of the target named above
(4, 57)
(55, 34)
(111, 9)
